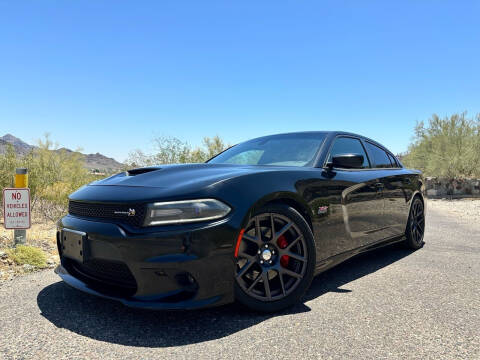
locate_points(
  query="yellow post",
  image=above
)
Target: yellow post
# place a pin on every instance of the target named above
(21, 178)
(21, 181)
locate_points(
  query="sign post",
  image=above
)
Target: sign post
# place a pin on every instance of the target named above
(16, 207)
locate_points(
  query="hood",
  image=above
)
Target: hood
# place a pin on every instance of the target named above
(168, 176)
(166, 181)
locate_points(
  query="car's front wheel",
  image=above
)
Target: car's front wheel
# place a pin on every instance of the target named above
(275, 259)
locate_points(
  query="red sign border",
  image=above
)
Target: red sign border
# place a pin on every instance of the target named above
(29, 212)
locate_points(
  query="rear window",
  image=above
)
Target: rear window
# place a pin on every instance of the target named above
(378, 156)
(393, 160)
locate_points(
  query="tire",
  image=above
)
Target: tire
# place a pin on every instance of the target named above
(416, 225)
(274, 269)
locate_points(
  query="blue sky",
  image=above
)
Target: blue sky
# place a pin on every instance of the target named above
(108, 76)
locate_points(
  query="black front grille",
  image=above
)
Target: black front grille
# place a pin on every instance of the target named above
(110, 275)
(132, 214)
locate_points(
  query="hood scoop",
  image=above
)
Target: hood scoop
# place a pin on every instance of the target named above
(185, 176)
(143, 170)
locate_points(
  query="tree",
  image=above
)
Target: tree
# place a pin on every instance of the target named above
(8, 162)
(53, 174)
(213, 146)
(171, 150)
(447, 147)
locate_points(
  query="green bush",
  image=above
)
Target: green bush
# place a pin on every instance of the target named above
(23, 254)
(446, 147)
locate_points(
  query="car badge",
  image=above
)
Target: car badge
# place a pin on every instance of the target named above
(130, 212)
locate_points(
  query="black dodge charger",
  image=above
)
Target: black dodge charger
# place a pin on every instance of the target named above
(253, 224)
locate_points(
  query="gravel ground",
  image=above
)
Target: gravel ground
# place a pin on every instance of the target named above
(467, 210)
(392, 303)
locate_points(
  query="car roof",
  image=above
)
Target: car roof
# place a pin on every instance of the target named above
(331, 133)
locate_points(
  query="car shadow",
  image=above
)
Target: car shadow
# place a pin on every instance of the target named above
(110, 321)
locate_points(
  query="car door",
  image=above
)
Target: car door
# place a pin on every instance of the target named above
(348, 203)
(393, 181)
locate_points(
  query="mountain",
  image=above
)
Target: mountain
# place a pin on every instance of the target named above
(21, 147)
(93, 162)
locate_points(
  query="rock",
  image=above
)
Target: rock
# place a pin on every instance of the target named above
(51, 262)
(432, 192)
(3, 255)
(28, 267)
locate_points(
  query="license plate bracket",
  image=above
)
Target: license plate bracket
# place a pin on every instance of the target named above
(74, 244)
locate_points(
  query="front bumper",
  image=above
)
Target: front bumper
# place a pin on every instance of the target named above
(182, 268)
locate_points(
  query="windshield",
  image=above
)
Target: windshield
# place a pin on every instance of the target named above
(280, 150)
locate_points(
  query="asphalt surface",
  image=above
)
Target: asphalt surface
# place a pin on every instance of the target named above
(392, 303)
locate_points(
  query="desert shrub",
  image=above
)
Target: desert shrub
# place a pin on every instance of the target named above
(8, 162)
(30, 255)
(171, 150)
(53, 174)
(446, 147)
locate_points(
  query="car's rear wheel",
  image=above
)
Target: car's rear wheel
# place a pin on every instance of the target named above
(275, 260)
(416, 225)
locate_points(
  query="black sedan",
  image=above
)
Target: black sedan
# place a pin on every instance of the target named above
(253, 224)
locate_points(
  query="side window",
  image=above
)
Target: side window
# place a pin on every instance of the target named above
(380, 158)
(393, 161)
(347, 145)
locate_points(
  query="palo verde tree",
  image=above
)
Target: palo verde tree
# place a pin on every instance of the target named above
(8, 162)
(446, 147)
(171, 150)
(53, 174)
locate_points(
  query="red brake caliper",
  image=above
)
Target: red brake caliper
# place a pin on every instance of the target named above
(282, 244)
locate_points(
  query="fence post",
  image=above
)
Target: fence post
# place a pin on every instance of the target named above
(21, 181)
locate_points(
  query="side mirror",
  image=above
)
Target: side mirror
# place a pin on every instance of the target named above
(347, 161)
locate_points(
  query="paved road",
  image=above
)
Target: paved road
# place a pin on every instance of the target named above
(388, 304)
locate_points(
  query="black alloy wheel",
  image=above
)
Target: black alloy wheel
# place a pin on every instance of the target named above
(276, 259)
(416, 225)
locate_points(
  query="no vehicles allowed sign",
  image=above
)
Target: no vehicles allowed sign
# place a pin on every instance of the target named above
(16, 208)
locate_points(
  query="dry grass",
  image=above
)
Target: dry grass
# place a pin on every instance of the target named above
(41, 235)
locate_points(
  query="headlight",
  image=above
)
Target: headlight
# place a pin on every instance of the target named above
(185, 211)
